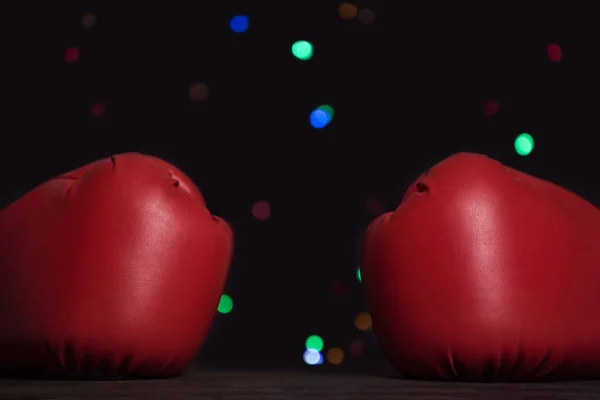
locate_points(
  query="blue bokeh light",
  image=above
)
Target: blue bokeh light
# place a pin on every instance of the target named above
(239, 24)
(319, 118)
(313, 357)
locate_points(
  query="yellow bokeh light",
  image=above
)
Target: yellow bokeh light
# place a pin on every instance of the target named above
(335, 356)
(362, 321)
(347, 11)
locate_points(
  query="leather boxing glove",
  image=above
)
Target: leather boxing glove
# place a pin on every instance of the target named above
(486, 273)
(112, 270)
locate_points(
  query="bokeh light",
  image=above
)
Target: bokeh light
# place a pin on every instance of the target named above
(366, 16)
(347, 11)
(335, 356)
(312, 357)
(318, 119)
(374, 207)
(358, 275)
(490, 107)
(302, 50)
(554, 52)
(198, 92)
(328, 110)
(239, 24)
(524, 144)
(362, 321)
(88, 21)
(98, 109)
(321, 116)
(314, 342)
(72, 54)
(339, 288)
(225, 304)
(261, 210)
(357, 348)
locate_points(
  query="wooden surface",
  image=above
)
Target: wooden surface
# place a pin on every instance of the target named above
(263, 385)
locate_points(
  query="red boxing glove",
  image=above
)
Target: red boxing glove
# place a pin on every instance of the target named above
(112, 270)
(486, 273)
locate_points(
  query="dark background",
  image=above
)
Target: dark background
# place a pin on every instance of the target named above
(407, 90)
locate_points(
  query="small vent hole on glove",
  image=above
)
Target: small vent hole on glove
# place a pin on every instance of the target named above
(176, 183)
(422, 188)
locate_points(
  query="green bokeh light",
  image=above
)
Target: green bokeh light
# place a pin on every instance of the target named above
(302, 50)
(524, 144)
(328, 109)
(225, 304)
(358, 275)
(314, 342)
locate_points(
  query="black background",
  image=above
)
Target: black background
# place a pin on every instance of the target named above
(407, 90)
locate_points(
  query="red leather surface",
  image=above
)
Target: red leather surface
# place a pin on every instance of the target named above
(484, 272)
(115, 268)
